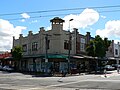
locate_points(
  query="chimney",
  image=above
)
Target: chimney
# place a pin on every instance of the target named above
(41, 29)
(88, 36)
(30, 33)
(21, 35)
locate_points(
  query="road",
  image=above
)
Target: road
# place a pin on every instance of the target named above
(19, 81)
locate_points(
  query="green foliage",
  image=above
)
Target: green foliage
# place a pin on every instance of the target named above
(98, 47)
(107, 43)
(17, 53)
(90, 49)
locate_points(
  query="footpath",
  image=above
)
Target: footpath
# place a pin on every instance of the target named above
(110, 74)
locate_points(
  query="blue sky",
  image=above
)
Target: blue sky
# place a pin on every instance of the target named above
(99, 21)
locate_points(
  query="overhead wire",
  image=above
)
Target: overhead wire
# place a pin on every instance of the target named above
(58, 10)
(114, 6)
(63, 14)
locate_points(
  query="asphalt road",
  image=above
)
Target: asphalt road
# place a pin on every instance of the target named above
(19, 81)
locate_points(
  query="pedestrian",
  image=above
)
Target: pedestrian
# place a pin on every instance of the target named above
(105, 72)
(64, 73)
(118, 70)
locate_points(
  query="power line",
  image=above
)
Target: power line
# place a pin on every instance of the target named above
(57, 10)
(64, 14)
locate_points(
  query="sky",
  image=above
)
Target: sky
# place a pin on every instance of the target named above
(99, 17)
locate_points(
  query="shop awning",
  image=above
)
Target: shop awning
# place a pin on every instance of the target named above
(58, 56)
(48, 56)
(78, 57)
(82, 56)
(32, 56)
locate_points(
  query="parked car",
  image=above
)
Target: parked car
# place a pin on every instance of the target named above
(109, 67)
(116, 65)
(74, 71)
(8, 68)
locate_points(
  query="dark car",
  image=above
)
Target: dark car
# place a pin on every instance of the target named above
(74, 71)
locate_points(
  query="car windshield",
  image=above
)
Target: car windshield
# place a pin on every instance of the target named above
(107, 66)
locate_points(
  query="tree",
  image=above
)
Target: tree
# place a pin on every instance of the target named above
(107, 43)
(17, 55)
(91, 49)
(98, 47)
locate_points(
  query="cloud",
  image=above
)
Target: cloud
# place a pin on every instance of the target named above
(116, 41)
(34, 21)
(87, 18)
(23, 20)
(48, 28)
(112, 29)
(7, 31)
(25, 15)
(103, 16)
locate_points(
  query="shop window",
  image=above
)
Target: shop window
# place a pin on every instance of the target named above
(48, 46)
(82, 47)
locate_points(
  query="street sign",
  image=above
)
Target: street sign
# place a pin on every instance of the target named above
(46, 60)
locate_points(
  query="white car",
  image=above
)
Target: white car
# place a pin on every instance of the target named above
(109, 67)
(8, 68)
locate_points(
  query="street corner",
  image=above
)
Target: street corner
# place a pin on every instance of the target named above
(110, 74)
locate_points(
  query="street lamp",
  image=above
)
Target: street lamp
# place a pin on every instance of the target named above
(69, 46)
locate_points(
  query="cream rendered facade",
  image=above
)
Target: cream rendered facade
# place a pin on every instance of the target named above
(113, 53)
(34, 46)
(56, 36)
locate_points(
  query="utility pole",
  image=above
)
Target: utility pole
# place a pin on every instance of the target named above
(46, 52)
(46, 47)
(117, 60)
(69, 47)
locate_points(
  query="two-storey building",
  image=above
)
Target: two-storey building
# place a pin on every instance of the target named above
(113, 53)
(51, 48)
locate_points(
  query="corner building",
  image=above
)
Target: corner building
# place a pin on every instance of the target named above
(49, 48)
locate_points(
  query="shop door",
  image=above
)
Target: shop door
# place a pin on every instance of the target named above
(56, 66)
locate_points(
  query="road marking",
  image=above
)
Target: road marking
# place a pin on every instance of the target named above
(62, 84)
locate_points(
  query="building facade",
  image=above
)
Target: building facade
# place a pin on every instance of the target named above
(51, 48)
(113, 53)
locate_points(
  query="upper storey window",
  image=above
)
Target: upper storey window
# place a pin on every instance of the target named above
(66, 45)
(24, 47)
(116, 52)
(82, 44)
(34, 46)
(48, 44)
